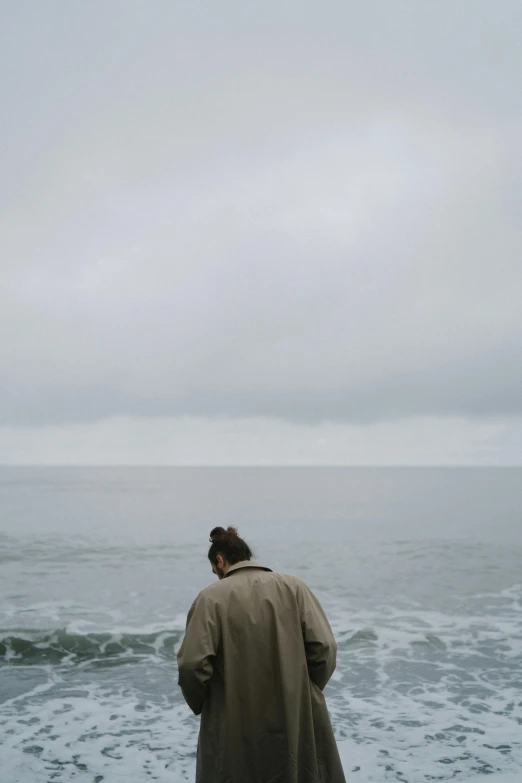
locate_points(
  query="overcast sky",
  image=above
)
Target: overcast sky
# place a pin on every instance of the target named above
(261, 233)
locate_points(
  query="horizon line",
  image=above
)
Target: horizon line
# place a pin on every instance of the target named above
(251, 465)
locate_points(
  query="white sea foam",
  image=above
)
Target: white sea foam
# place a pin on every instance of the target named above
(406, 704)
(99, 737)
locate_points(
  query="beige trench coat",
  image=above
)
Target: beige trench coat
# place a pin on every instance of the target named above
(257, 653)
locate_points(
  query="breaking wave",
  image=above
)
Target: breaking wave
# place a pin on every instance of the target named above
(44, 647)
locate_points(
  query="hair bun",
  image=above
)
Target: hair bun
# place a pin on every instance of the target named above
(229, 545)
(220, 534)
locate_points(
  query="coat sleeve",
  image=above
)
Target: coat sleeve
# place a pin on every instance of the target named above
(197, 652)
(319, 642)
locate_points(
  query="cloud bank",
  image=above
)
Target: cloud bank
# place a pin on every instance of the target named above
(294, 214)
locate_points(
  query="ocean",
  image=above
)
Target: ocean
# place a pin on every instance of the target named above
(418, 569)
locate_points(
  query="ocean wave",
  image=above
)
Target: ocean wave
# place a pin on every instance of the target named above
(40, 647)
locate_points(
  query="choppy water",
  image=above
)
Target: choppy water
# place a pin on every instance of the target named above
(419, 571)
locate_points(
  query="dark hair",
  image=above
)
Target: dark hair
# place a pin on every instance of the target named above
(229, 544)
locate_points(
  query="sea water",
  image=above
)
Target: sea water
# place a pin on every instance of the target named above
(418, 570)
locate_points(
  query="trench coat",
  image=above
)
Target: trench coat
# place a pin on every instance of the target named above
(257, 653)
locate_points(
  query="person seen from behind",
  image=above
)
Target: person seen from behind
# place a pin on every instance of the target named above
(256, 656)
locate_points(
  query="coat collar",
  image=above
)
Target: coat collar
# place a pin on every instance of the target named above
(246, 564)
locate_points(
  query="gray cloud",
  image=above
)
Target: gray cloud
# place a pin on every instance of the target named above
(307, 213)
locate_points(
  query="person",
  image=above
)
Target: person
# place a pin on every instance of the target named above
(256, 656)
